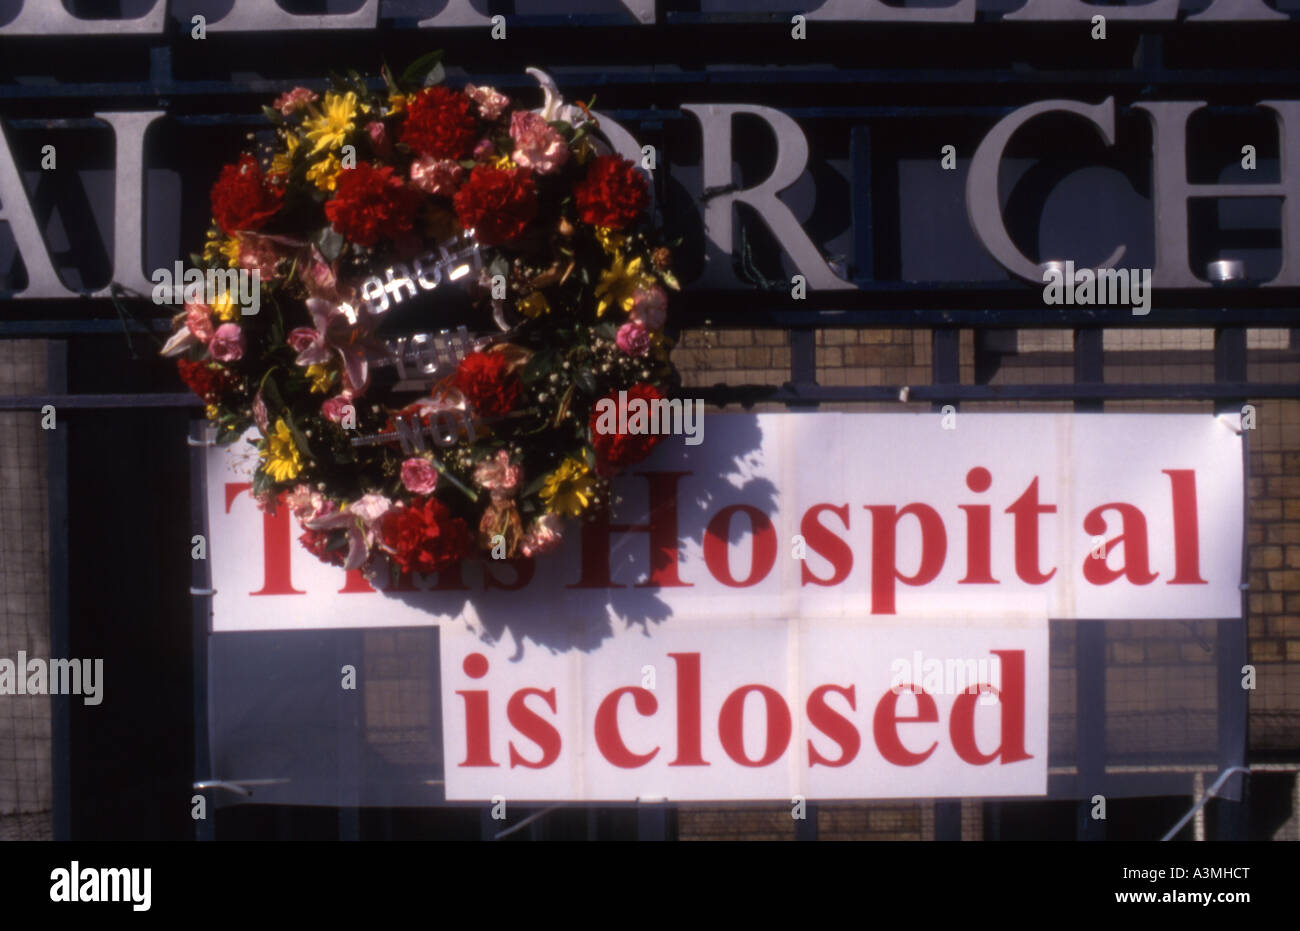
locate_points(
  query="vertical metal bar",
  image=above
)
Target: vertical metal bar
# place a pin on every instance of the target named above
(803, 360)
(947, 369)
(1232, 817)
(205, 829)
(56, 374)
(807, 828)
(1090, 636)
(864, 263)
(652, 821)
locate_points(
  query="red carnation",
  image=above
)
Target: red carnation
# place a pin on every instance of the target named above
(316, 541)
(241, 200)
(616, 450)
(372, 203)
(612, 194)
(496, 203)
(206, 379)
(424, 537)
(440, 122)
(483, 379)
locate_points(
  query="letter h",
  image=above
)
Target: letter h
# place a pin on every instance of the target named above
(662, 528)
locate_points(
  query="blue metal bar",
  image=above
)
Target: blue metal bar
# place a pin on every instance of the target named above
(205, 829)
(56, 377)
(75, 402)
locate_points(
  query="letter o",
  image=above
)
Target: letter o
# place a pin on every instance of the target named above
(731, 725)
(764, 546)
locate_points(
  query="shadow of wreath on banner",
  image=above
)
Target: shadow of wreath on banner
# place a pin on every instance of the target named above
(555, 615)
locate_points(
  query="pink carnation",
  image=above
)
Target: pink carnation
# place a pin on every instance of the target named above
(419, 476)
(491, 102)
(497, 475)
(650, 307)
(306, 503)
(292, 101)
(302, 338)
(633, 338)
(337, 409)
(227, 344)
(198, 320)
(379, 138)
(537, 145)
(440, 176)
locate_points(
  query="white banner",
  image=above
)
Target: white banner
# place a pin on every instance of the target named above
(819, 516)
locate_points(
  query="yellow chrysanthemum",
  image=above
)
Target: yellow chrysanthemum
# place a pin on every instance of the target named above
(611, 240)
(396, 103)
(281, 459)
(325, 173)
(225, 308)
(618, 284)
(568, 490)
(534, 305)
(321, 377)
(220, 247)
(282, 162)
(504, 163)
(330, 129)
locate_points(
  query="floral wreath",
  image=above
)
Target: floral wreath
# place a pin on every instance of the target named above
(570, 279)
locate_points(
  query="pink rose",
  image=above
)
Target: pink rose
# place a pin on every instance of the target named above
(419, 476)
(440, 176)
(537, 145)
(379, 140)
(227, 344)
(491, 103)
(650, 307)
(339, 409)
(302, 338)
(497, 475)
(633, 338)
(198, 319)
(318, 277)
(542, 537)
(292, 101)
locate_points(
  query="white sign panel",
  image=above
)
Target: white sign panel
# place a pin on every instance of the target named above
(853, 517)
(745, 709)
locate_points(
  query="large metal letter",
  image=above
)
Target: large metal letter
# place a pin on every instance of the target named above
(267, 15)
(51, 18)
(791, 157)
(1172, 192)
(1055, 11)
(129, 197)
(16, 210)
(982, 204)
(873, 11)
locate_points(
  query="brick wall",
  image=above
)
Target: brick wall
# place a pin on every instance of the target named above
(1161, 681)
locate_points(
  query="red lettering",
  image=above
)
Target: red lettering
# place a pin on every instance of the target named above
(979, 570)
(731, 725)
(826, 544)
(834, 725)
(1187, 540)
(689, 750)
(608, 739)
(1136, 562)
(534, 727)
(884, 540)
(1012, 699)
(1026, 510)
(276, 578)
(884, 725)
(762, 542)
(478, 725)
(662, 528)
(356, 584)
